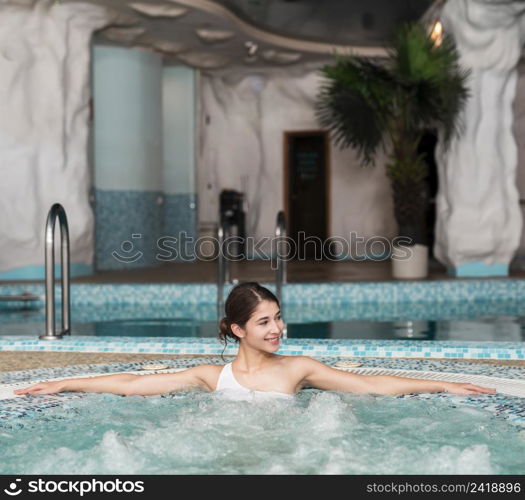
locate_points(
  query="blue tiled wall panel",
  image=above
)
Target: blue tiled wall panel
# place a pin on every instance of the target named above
(180, 216)
(127, 226)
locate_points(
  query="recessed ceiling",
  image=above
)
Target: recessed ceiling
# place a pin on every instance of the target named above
(342, 22)
(213, 34)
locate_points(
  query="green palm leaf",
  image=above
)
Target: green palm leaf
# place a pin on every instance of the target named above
(369, 104)
(419, 86)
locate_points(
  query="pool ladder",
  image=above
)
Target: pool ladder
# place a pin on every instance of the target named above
(57, 210)
(223, 274)
(281, 272)
(280, 263)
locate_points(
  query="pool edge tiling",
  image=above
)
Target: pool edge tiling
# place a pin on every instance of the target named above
(309, 347)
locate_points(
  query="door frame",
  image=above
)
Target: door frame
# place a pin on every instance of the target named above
(291, 133)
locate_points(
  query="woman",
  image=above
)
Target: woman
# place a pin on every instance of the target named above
(253, 319)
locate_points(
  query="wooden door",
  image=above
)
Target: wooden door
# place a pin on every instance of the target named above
(306, 190)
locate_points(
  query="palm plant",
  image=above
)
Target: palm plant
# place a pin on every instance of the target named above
(389, 103)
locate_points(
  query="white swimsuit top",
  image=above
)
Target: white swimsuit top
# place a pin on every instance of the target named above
(228, 383)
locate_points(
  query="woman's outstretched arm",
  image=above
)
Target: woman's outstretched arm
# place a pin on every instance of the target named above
(128, 384)
(321, 376)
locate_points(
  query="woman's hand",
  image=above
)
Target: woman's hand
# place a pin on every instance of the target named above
(42, 388)
(458, 388)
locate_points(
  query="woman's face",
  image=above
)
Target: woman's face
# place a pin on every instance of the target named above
(264, 328)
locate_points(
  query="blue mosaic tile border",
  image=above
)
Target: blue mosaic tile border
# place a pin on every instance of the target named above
(309, 347)
(39, 272)
(503, 406)
(13, 312)
(430, 293)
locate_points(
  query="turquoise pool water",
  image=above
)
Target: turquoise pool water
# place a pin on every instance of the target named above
(315, 433)
(476, 321)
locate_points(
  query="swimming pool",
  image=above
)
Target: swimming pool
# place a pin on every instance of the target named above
(188, 433)
(387, 326)
(501, 320)
(180, 321)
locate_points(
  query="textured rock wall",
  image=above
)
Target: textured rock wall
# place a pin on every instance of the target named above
(44, 103)
(519, 135)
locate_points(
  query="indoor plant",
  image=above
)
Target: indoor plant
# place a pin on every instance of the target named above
(388, 103)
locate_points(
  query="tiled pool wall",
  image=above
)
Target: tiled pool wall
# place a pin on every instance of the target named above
(34, 312)
(375, 298)
(363, 301)
(292, 347)
(293, 293)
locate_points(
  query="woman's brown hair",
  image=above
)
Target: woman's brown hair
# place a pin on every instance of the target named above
(240, 305)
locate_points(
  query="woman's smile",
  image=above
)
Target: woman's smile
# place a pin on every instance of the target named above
(274, 340)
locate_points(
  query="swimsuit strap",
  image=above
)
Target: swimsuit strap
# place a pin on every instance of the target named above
(228, 381)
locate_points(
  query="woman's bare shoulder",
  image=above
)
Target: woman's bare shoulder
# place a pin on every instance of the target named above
(299, 361)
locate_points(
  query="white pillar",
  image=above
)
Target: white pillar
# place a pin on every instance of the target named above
(478, 215)
(44, 103)
(179, 112)
(127, 92)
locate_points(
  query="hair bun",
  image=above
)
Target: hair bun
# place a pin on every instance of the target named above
(224, 327)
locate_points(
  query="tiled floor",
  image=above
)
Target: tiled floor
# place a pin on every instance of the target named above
(27, 360)
(259, 270)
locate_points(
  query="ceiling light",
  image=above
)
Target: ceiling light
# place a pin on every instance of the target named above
(212, 35)
(124, 35)
(279, 57)
(251, 47)
(436, 34)
(158, 10)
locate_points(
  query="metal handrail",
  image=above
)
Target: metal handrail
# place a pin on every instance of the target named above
(280, 263)
(281, 273)
(57, 210)
(223, 274)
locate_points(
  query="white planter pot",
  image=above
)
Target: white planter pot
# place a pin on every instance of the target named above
(410, 263)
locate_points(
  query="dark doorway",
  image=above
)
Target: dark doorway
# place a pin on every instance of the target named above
(427, 147)
(306, 191)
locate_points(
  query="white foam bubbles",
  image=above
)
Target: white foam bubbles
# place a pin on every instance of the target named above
(314, 433)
